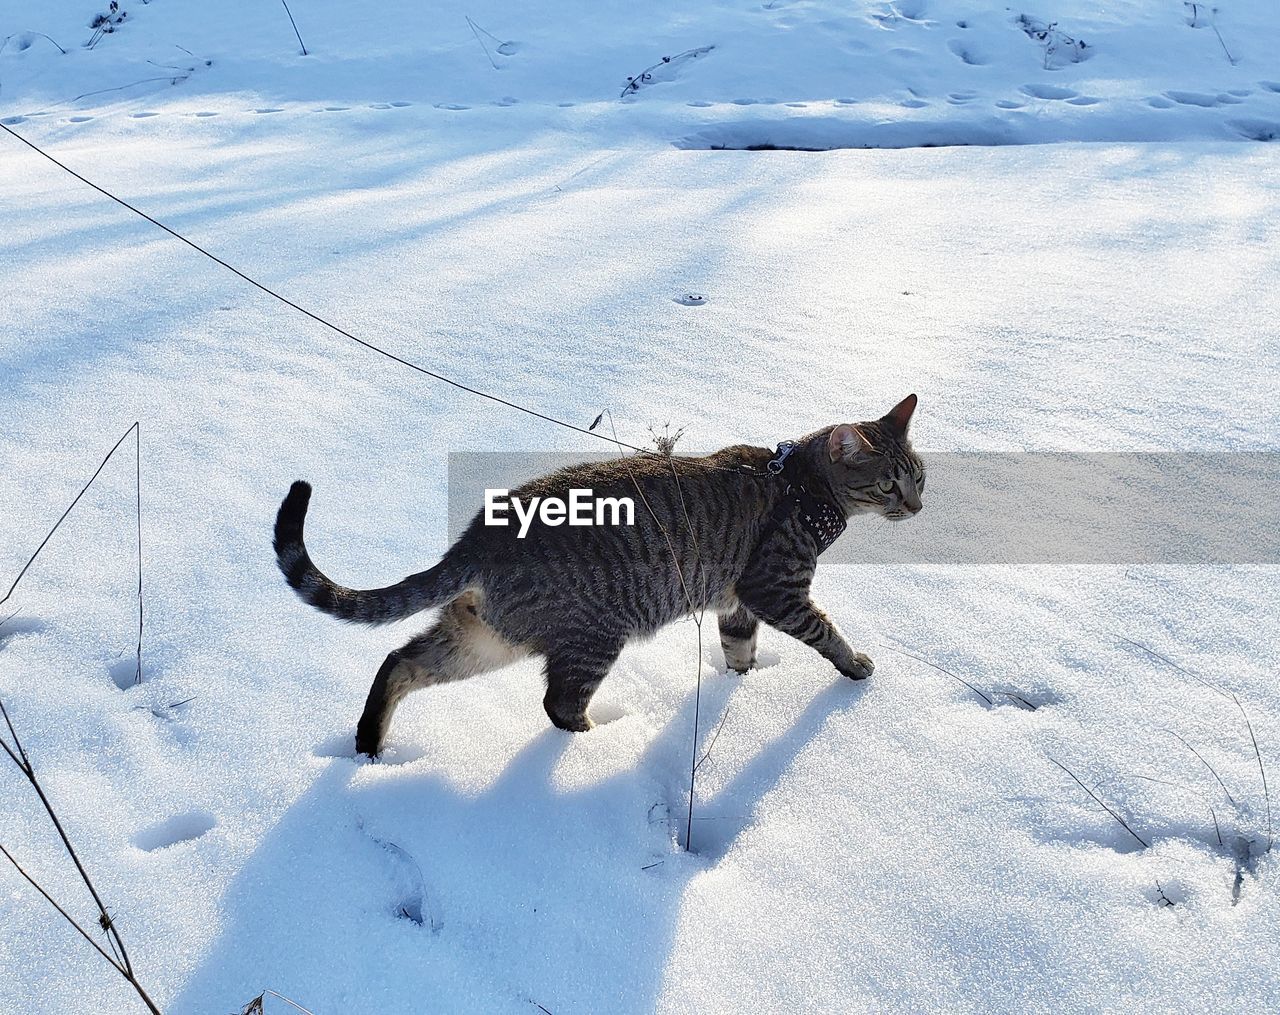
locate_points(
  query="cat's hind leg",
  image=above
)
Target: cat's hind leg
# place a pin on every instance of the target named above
(459, 645)
(738, 632)
(574, 671)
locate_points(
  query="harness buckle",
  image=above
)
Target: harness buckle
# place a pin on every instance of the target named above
(783, 452)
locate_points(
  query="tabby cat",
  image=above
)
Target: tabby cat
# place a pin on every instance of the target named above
(745, 524)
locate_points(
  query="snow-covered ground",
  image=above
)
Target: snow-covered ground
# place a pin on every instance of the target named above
(896, 845)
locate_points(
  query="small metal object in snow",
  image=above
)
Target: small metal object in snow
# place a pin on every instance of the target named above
(692, 300)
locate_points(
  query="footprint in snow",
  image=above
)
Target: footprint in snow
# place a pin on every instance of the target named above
(15, 623)
(904, 10)
(846, 102)
(960, 98)
(401, 104)
(142, 115)
(79, 119)
(1271, 86)
(913, 103)
(603, 713)
(13, 121)
(966, 54)
(698, 103)
(205, 113)
(343, 745)
(1010, 104)
(1084, 100)
(412, 901)
(1257, 130)
(1158, 102)
(1201, 99)
(506, 100)
(269, 109)
(336, 109)
(451, 105)
(124, 672)
(1040, 91)
(179, 828)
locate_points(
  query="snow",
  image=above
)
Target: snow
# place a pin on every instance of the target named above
(901, 844)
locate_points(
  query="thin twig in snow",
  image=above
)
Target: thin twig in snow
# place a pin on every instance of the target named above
(256, 1006)
(1266, 793)
(173, 79)
(295, 28)
(1018, 697)
(136, 430)
(942, 669)
(18, 755)
(1206, 764)
(646, 75)
(666, 446)
(475, 30)
(63, 517)
(696, 613)
(1176, 785)
(1169, 662)
(1230, 59)
(1098, 800)
(707, 753)
(137, 490)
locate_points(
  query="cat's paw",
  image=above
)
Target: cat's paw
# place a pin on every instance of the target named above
(861, 668)
(571, 723)
(368, 744)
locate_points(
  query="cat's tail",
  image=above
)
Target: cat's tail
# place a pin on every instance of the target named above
(361, 606)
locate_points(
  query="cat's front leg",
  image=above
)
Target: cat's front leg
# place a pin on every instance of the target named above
(793, 612)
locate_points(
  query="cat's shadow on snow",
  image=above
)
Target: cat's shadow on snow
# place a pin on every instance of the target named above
(526, 893)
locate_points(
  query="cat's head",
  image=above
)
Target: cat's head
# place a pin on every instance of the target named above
(871, 466)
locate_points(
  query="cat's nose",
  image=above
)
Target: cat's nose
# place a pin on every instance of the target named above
(914, 508)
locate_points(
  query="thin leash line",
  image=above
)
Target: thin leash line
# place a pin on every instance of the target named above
(313, 316)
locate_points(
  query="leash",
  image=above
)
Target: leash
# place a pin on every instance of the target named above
(818, 516)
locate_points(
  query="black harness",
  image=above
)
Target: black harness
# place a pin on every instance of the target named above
(817, 515)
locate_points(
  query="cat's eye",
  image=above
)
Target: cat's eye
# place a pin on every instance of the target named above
(884, 486)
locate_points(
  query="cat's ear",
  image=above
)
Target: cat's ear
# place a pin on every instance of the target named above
(847, 440)
(900, 415)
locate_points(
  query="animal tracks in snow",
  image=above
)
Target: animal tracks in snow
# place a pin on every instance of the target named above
(1043, 91)
(1202, 99)
(968, 53)
(177, 829)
